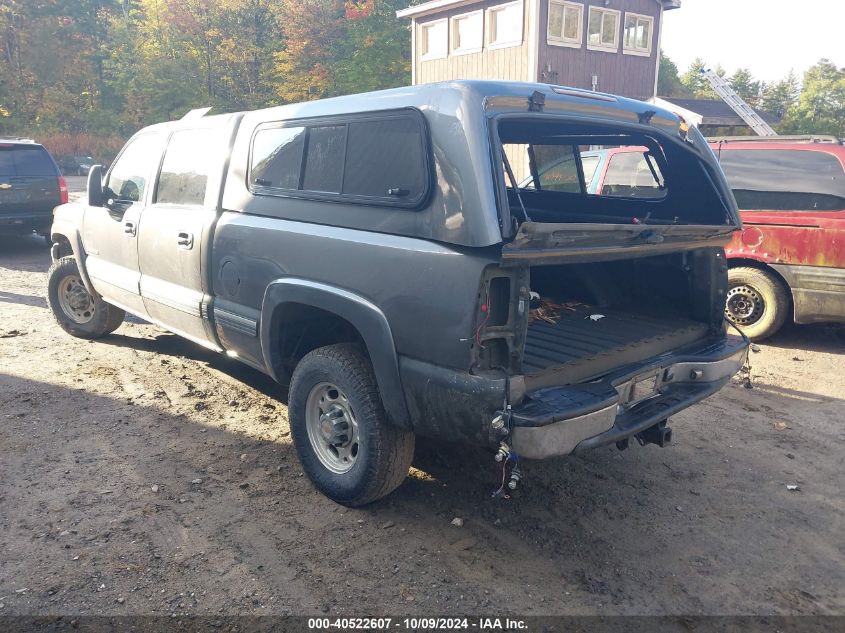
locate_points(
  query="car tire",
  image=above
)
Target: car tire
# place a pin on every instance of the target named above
(757, 302)
(77, 312)
(346, 445)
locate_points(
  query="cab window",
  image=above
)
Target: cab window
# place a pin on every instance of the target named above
(188, 162)
(128, 178)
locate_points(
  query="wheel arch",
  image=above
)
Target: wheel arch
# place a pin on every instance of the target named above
(290, 304)
(67, 241)
(746, 262)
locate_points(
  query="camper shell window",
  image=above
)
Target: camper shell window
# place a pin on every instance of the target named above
(376, 159)
(648, 180)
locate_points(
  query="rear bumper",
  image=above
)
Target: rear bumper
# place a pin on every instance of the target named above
(562, 420)
(25, 222)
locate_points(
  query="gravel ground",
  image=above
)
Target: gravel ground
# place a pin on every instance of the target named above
(141, 474)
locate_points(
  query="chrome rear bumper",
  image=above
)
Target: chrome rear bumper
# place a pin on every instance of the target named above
(561, 420)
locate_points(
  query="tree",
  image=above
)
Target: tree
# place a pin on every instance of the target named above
(312, 30)
(668, 82)
(779, 97)
(696, 84)
(334, 47)
(377, 48)
(821, 106)
(744, 84)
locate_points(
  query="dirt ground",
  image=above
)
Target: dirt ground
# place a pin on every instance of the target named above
(141, 474)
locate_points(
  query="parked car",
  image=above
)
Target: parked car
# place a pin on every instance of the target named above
(789, 260)
(374, 254)
(31, 186)
(619, 172)
(76, 165)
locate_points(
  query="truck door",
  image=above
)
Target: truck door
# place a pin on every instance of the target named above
(110, 232)
(174, 236)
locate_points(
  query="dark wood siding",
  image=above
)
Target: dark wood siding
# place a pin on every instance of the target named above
(618, 73)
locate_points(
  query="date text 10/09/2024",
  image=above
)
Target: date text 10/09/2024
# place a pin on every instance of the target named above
(418, 624)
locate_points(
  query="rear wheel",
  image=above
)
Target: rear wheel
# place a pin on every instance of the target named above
(757, 302)
(346, 445)
(77, 311)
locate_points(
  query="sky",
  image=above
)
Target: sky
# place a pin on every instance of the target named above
(769, 37)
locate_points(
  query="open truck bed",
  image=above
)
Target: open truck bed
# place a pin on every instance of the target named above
(587, 341)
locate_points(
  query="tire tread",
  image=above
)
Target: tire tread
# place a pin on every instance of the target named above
(392, 448)
(108, 319)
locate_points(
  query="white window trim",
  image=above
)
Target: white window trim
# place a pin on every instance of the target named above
(453, 32)
(554, 40)
(641, 52)
(489, 24)
(604, 47)
(429, 56)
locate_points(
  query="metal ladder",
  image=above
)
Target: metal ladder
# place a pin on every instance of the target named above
(737, 104)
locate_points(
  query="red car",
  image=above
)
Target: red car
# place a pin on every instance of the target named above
(789, 258)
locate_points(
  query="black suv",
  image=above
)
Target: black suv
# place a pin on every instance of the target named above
(31, 186)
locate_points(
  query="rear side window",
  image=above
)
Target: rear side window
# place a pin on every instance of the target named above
(385, 155)
(629, 175)
(325, 159)
(558, 168)
(589, 164)
(187, 165)
(784, 180)
(277, 157)
(378, 159)
(22, 160)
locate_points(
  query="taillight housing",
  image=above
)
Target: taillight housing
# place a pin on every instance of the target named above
(63, 198)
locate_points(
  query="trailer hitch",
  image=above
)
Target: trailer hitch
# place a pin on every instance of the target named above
(659, 434)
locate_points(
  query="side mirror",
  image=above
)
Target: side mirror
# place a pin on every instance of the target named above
(95, 186)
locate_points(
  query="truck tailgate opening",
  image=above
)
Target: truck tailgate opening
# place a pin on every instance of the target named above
(589, 319)
(590, 340)
(587, 191)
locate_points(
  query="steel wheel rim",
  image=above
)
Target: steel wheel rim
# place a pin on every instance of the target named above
(744, 305)
(332, 427)
(75, 300)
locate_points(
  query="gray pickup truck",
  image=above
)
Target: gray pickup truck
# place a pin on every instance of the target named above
(381, 256)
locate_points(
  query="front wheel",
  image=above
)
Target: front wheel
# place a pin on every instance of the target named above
(757, 302)
(346, 445)
(77, 311)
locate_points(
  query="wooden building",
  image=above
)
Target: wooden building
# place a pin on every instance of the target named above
(606, 45)
(712, 117)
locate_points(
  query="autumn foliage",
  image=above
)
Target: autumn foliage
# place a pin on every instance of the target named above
(84, 72)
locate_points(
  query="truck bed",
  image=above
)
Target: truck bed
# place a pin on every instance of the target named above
(577, 347)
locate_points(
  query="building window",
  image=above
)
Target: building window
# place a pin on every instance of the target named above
(505, 25)
(434, 40)
(467, 33)
(636, 38)
(566, 21)
(603, 30)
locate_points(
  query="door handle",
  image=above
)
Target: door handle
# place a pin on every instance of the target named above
(185, 240)
(129, 228)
